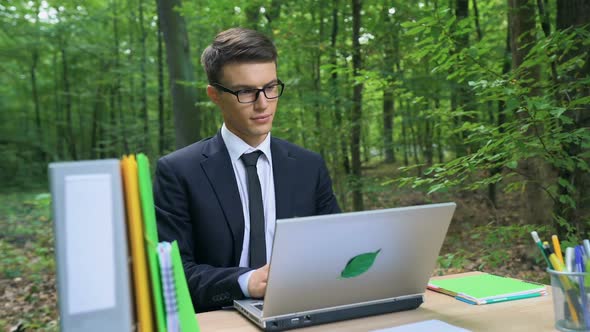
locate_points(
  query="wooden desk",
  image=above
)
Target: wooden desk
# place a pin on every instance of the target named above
(535, 314)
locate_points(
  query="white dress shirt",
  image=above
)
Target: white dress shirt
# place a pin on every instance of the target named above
(236, 147)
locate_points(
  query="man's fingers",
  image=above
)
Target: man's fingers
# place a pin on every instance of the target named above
(263, 273)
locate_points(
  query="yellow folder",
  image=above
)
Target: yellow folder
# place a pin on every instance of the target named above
(143, 302)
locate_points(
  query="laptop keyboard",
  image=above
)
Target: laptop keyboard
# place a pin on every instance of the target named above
(258, 306)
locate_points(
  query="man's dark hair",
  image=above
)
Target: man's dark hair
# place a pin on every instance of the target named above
(234, 46)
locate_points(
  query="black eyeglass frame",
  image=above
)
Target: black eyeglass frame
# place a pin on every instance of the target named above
(237, 92)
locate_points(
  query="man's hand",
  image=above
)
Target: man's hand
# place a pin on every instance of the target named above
(257, 283)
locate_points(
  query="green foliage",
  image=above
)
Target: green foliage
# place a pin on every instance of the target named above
(537, 125)
(27, 237)
(455, 260)
(27, 264)
(489, 247)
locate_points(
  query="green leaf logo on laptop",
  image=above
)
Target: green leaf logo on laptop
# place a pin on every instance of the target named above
(359, 264)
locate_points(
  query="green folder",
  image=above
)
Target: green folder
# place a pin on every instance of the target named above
(146, 197)
(486, 288)
(186, 311)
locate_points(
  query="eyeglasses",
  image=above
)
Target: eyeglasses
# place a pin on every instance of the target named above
(250, 95)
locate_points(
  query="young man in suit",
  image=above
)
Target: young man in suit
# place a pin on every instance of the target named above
(220, 197)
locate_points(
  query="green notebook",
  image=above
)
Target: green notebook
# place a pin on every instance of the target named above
(486, 288)
(186, 311)
(148, 211)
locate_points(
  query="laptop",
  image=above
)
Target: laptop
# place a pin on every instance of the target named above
(349, 265)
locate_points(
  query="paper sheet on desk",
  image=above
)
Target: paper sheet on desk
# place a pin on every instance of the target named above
(427, 325)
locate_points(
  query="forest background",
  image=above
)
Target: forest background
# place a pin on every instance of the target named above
(410, 102)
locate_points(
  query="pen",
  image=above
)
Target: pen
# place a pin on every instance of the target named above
(557, 247)
(580, 259)
(568, 291)
(540, 245)
(580, 268)
(569, 259)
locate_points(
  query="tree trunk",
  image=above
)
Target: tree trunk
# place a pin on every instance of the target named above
(522, 38)
(42, 155)
(35, 93)
(335, 90)
(143, 108)
(317, 84)
(476, 15)
(112, 150)
(522, 33)
(365, 144)
(118, 107)
(460, 90)
(161, 117)
(492, 188)
(575, 13)
(70, 140)
(96, 121)
(273, 13)
(404, 135)
(427, 138)
(388, 112)
(439, 148)
(180, 72)
(59, 135)
(339, 147)
(131, 56)
(438, 131)
(414, 140)
(388, 101)
(356, 116)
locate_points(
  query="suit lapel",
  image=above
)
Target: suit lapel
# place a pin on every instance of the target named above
(219, 171)
(283, 167)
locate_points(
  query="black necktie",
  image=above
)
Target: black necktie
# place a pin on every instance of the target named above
(257, 240)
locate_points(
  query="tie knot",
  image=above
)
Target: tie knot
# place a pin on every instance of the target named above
(250, 159)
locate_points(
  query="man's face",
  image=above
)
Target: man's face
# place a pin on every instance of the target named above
(251, 122)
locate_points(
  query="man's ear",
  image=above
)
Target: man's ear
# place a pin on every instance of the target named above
(213, 94)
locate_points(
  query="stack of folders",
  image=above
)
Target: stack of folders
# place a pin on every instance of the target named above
(487, 288)
(162, 298)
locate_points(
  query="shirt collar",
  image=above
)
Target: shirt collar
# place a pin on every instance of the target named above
(237, 147)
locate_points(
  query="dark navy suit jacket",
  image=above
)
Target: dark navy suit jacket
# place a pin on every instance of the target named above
(198, 204)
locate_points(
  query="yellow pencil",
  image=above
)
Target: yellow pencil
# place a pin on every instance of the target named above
(557, 248)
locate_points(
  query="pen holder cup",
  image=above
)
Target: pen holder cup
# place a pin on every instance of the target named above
(571, 300)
